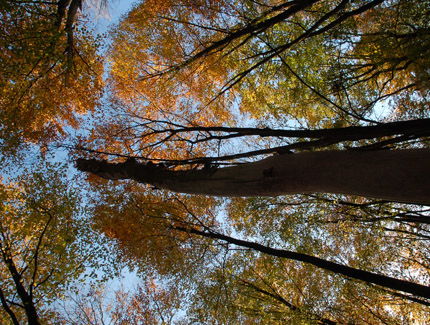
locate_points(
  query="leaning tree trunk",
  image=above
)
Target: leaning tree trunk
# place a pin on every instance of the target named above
(394, 175)
(370, 277)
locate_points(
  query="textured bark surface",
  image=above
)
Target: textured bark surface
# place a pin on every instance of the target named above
(394, 175)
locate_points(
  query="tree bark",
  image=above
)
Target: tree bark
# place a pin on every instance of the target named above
(392, 175)
(27, 300)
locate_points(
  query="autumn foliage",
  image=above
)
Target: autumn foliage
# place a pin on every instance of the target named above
(283, 112)
(46, 82)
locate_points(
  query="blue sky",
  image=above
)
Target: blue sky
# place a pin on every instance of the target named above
(115, 9)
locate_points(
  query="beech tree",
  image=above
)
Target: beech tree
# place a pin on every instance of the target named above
(252, 99)
(390, 175)
(45, 244)
(398, 174)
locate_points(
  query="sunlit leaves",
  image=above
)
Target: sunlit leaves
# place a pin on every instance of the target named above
(46, 236)
(142, 221)
(155, 37)
(43, 90)
(202, 63)
(159, 79)
(351, 231)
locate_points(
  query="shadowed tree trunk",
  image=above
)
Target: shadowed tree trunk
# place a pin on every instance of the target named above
(26, 298)
(393, 175)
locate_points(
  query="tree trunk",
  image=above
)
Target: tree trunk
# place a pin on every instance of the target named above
(393, 175)
(27, 300)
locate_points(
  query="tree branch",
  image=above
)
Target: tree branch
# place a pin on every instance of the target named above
(381, 280)
(7, 308)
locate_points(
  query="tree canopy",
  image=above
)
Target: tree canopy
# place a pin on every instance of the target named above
(253, 161)
(46, 243)
(258, 68)
(50, 70)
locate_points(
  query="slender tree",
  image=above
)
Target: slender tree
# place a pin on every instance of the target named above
(42, 244)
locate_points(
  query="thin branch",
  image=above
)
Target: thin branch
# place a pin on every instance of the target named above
(256, 26)
(38, 247)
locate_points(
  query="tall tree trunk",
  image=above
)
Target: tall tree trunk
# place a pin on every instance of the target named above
(394, 175)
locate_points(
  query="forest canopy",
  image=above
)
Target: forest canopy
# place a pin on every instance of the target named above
(253, 161)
